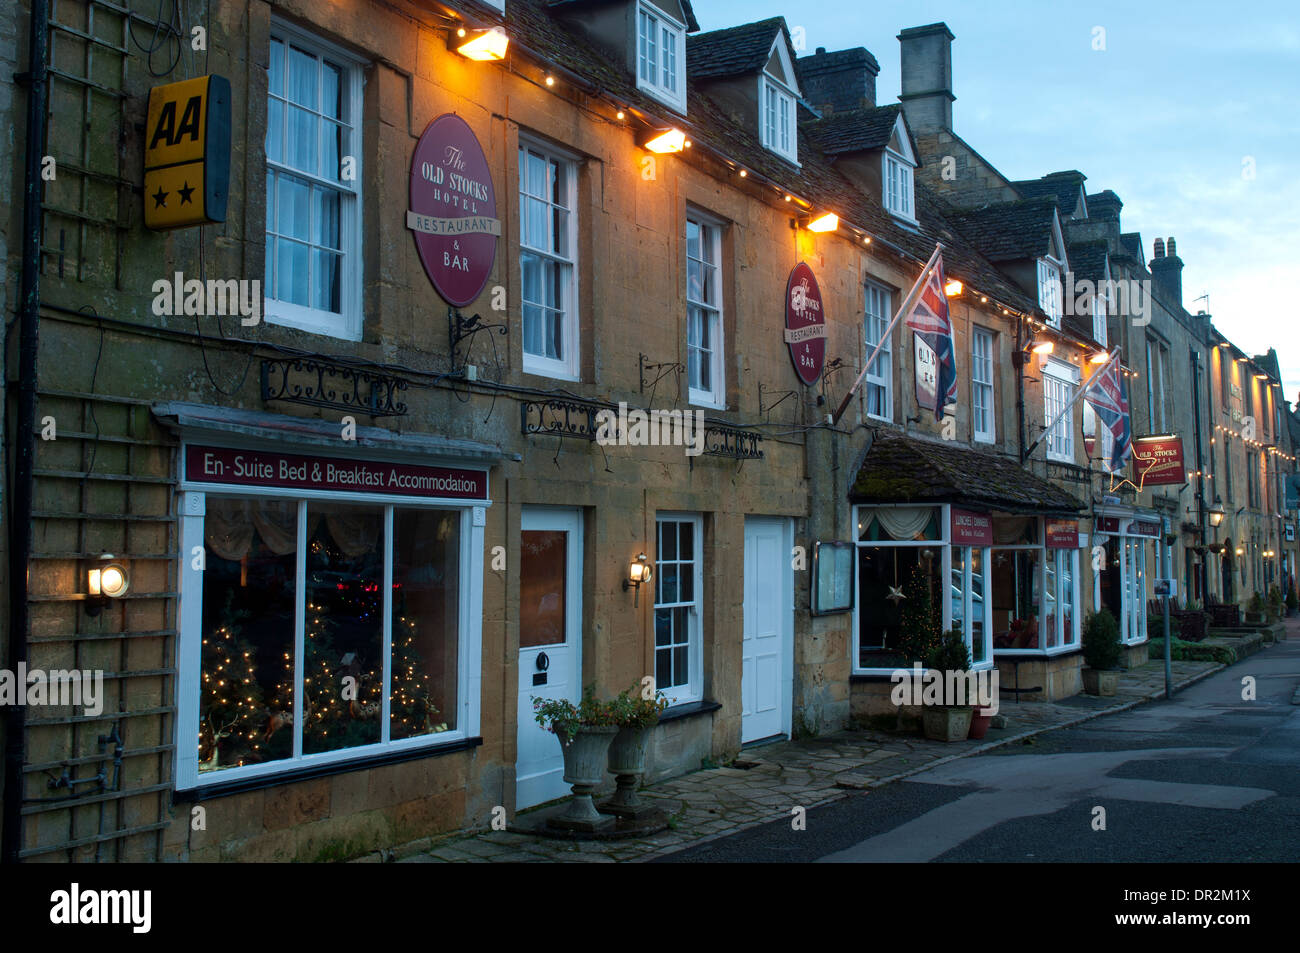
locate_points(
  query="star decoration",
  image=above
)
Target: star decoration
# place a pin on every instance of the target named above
(186, 191)
(895, 595)
(160, 198)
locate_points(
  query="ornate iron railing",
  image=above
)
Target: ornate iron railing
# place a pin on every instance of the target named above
(320, 384)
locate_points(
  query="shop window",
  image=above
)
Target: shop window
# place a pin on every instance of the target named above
(901, 604)
(356, 608)
(704, 355)
(970, 607)
(547, 258)
(313, 198)
(679, 583)
(1015, 588)
(879, 382)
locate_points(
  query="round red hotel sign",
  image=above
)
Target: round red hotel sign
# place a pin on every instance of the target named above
(805, 324)
(453, 211)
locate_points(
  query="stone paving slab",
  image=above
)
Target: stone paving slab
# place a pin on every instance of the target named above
(717, 802)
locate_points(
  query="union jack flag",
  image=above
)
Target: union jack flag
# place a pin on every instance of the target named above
(1107, 393)
(930, 322)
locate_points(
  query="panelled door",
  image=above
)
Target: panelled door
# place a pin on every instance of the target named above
(550, 643)
(767, 655)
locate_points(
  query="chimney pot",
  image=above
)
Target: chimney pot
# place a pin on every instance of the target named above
(821, 50)
(840, 81)
(1172, 248)
(1159, 249)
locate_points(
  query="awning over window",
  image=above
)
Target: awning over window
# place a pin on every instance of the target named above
(207, 421)
(902, 469)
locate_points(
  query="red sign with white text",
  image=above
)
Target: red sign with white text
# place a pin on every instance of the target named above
(1158, 461)
(805, 324)
(971, 529)
(1062, 534)
(453, 209)
(294, 471)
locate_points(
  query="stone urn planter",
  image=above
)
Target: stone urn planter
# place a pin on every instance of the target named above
(585, 755)
(947, 722)
(627, 764)
(1100, 682)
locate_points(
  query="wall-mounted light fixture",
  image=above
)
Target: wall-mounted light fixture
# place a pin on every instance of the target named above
(106, 580)
(1101, 357)
(671, 140)
(1241, 550)
(1216, 513)
(1041, 349)
(485, 45)
(824, 223)
(953, 288)
(637, 573)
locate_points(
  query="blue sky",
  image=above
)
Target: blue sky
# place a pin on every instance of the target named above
(1184, 102)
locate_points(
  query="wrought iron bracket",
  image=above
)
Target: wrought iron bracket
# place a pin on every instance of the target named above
(785, 395)
(460, 327)
(338, 387)
(664, 370)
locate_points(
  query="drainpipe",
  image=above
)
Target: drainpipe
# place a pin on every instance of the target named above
(1200, 477)
(24, 446)
(1019, 363)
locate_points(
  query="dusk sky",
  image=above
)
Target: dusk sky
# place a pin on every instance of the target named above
(1185, 102)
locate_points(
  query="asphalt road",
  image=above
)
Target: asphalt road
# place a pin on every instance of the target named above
(1206, 777)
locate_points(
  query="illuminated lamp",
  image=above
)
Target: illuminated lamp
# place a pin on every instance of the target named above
(674, 140)
(485, 45)
(825, 223)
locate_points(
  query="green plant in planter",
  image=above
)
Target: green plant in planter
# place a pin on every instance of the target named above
(1156, 624)
(631, 709)
(1275, 603)
(951, 654)
(563, 718)
(1255, 604)
(1292, 603)
(1101, 647)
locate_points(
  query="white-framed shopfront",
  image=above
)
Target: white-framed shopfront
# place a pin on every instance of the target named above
(1125, 534)
(968, 598)
(466, 516)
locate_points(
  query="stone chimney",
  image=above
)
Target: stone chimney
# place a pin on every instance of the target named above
(1105, 206)
(840, 81)
(927, 77)
(1167, 270)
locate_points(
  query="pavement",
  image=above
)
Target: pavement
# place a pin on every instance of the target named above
(788, 779)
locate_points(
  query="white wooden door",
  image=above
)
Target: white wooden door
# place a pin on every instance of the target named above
(767, 669)
(550, 643)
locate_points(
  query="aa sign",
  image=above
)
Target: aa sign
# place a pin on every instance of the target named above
(187, 153)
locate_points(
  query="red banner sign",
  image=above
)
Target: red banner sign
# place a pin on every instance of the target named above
(1106, 524)
(1158, 461)
(292, 471)
(1062, 534)
(453, 209)
(805, 324)
(1148, 528)
(971, 529)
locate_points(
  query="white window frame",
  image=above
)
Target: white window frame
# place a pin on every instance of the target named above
(192, 507)
(650, 66)
(346, 323)
(1049, 289)
(693, 689)
(983, 390)
(1059, 382)
(899, 189)
(1099, 308)
(567, 368)
(777, 115)
(711, 244)
(880, 376)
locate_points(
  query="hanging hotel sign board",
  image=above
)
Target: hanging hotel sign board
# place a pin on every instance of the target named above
(1158, 460)
(453, 211)
(1292, 483)
(971, 529)
(187, 153)
(805, 324)
(1149, 529)
(295, 471)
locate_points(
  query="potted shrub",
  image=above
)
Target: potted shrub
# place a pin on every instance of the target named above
(1291, 602)
(1275, 603)
(1101, 653)
(1255, 608)
(636, 712)
(585, 732)
(948, 722)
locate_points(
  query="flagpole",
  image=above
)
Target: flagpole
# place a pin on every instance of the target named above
(1070, 406)
(904, 308)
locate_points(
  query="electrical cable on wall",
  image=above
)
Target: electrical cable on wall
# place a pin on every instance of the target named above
(164, 33)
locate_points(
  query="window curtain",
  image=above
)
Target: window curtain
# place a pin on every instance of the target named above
(905, 522)
(1011, 529)
(230, 526)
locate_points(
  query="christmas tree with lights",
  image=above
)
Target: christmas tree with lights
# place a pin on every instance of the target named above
(231, 713)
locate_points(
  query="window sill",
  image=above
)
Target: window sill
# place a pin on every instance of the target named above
(658, 94)
(689, 709)
(222, 789)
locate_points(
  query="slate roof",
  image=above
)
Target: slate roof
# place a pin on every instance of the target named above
(1009, 231)
(816, 180)
(898, 468)
(854, 131)
(564, 6)
(1131, 242)
(1062, 186)
(735, 51)
(1088, 260)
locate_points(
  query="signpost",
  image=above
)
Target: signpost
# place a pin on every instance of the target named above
(187, 153)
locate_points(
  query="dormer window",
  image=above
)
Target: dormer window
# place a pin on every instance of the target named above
(661, 56)
(898, 185)
(1049, 290)
(778, 120)
(1099, 319)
